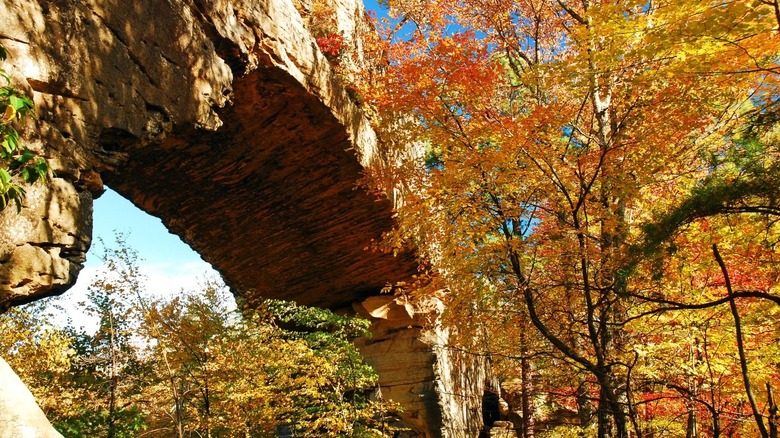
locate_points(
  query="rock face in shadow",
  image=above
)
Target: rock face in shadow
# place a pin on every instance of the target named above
(222, 118)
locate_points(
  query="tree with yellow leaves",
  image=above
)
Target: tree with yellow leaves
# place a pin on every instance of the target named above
(192, 365)
(582, 157)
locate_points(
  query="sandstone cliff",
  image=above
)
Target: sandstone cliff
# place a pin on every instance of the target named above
(222, 118)
(439, 388)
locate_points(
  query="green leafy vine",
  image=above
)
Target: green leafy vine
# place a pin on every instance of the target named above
(16, 161)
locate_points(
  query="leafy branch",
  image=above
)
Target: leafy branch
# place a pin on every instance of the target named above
(16, 161)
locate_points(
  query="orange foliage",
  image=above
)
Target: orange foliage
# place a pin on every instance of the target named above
(557, 134)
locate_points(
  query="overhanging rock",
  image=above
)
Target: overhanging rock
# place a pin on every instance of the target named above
(221, 118)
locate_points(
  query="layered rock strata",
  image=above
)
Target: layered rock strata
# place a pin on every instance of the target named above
(439, 388)
(223, 119)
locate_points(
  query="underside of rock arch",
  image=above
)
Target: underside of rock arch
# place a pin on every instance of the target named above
(247, 153)
(270, 198)
(223, 119)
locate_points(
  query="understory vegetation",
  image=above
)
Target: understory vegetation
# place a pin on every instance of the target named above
(191, 365)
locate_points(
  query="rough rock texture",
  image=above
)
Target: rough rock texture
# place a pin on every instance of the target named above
(222, 118)
(440, 389)
(39, 250)
(462, 380)
(503, 429)
(20, 416)
(404, 361)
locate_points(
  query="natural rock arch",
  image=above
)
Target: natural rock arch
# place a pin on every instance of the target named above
(230, 126)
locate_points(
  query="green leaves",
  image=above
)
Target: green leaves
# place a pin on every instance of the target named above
(313, 319)
(9, 191)
(10, 143)
(16, 161)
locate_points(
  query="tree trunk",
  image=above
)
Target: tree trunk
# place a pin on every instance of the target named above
(526, 395)
(584, 406)
(207, 397)
(716, 432)
(692, 431)
(611, 414)
(772, 412)
(113, 377)
(740, 345)
(179, 409)
(604, 420)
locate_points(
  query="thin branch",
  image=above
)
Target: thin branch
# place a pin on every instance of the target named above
(574, 14)
(740, 344)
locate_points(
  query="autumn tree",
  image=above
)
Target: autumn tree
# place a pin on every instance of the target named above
(345, 404)
(240, 373)
(179, 332)
(579, 164)
(108, 372)
(191, 364)
(39, 352)
(211, 370)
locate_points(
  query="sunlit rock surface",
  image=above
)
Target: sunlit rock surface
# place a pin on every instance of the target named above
(221, 118)
(439, 388)
(20, 416)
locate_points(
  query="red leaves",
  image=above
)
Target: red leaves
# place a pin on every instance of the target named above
(331, 45)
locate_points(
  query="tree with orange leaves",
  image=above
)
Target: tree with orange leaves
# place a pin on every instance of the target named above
(581, 157)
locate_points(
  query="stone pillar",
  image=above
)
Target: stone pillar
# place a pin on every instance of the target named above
(439, 389)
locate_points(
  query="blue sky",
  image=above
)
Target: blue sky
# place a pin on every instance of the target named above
(372, 5)
(167, 263)
(145, 233)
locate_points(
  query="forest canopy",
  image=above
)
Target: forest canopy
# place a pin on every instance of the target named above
(591, 187)
(593, 192)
